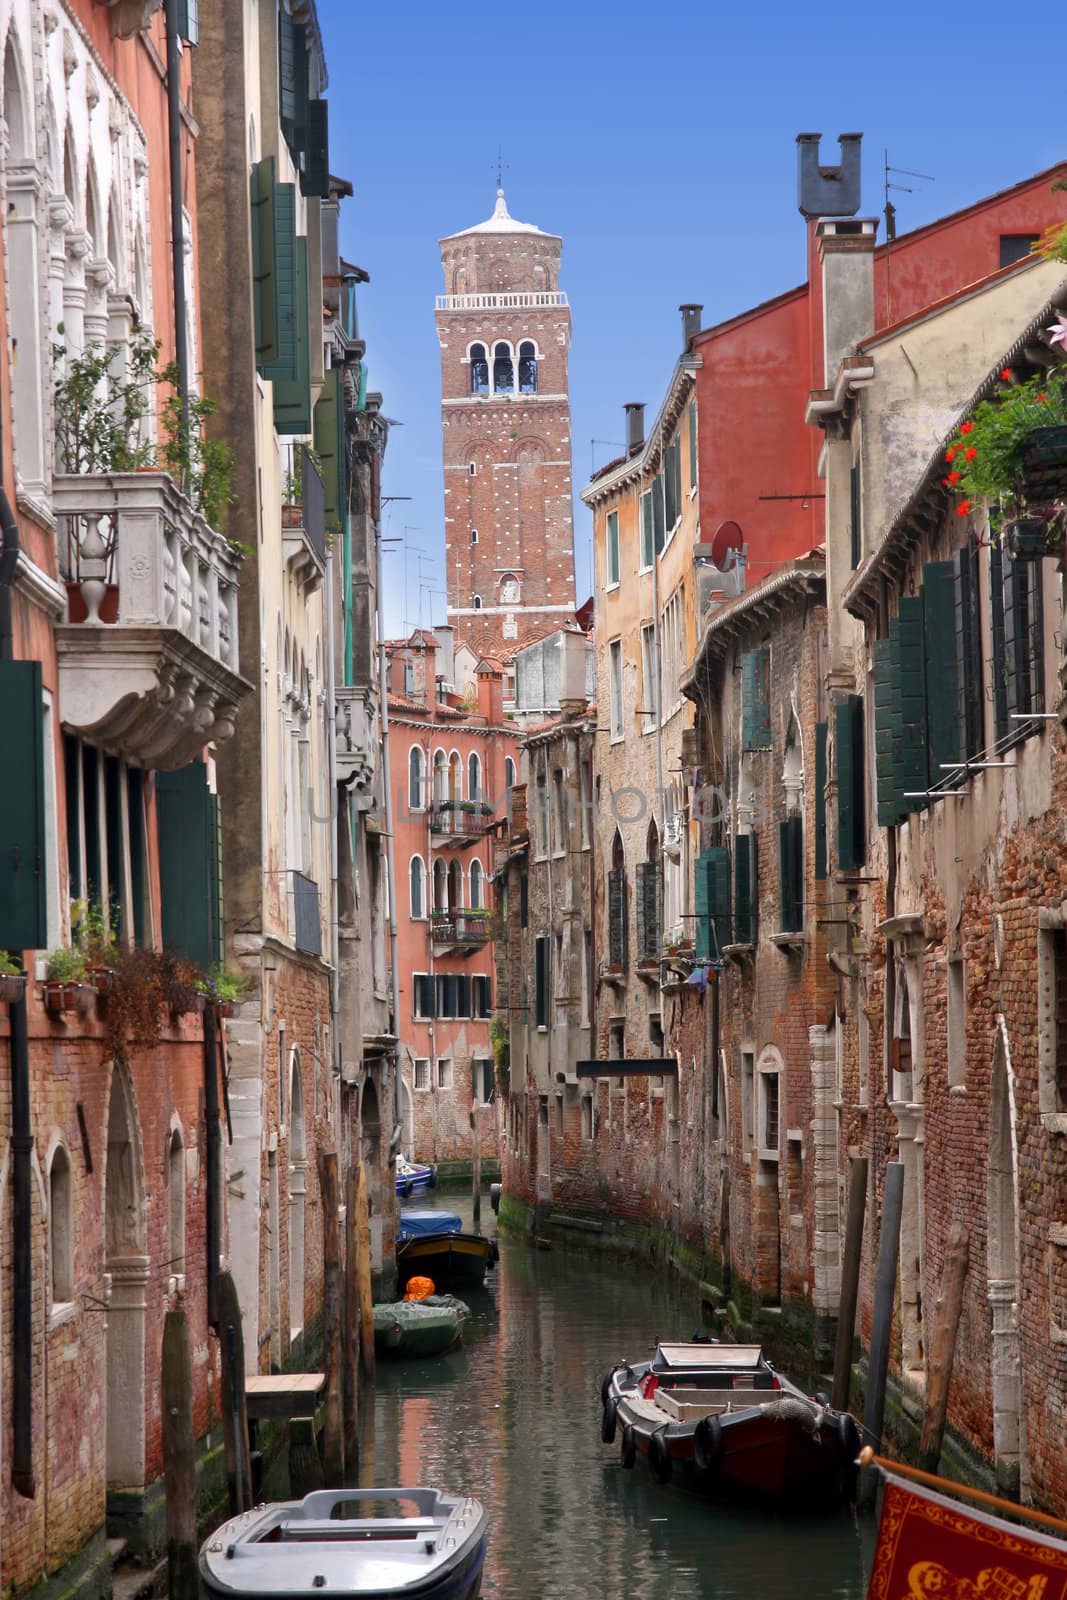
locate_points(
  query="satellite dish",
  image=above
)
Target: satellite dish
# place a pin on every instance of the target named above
(727, 545)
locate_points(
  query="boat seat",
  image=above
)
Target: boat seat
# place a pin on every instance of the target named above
(685, 1404)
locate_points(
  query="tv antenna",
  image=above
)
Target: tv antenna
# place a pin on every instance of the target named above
(502, 166)
(890, 213)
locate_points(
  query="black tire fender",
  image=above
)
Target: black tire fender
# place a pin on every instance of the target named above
(707, 1444)
(659, 1457)
(848, 1438)
(406, 1192)
(605, 1384)
(608, 1421)
(628, 1451)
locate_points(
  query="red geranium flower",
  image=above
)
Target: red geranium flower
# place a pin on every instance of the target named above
(966, 428)
(1042, 396)
(953, 477)
(949, 454)
(1006, 375)
(969, 455)
(963, 509)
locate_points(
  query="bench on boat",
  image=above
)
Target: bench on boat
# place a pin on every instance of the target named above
(688, 1405)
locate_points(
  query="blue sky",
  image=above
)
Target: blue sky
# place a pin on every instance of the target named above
(659, 141)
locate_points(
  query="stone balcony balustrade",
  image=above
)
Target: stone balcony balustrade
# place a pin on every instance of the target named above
(357, 742)
(148, 652)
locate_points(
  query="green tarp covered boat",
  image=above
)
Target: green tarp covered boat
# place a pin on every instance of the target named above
(419, 1327)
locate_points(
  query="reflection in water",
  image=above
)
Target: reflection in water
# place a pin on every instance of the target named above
(513, 1418)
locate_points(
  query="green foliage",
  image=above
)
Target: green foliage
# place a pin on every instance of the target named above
(100, 410)
(9, 966)
(986, 455)
(201, 467)
(499, 1040)
(66, 965)
(224, 987)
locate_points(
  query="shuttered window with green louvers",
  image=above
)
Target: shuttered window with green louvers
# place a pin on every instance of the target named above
(541, 959)
(720, 910)
(293, 84)
(330, 448)
(1022, 664)
(791, 874)
(970, 702)
(264, 277)
(189, 865)
(290, 373)
(943, 730)
(315, 178)
(657, 512)
(648, 910)
(756, 699)
(617, 941)
(820, 799)
(23, 908)
(746, 889)
(850, 758)
(910, 757)
(885, 696)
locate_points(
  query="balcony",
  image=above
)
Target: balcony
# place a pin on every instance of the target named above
(461, 823)
(357, 743)
(459, 932)
(305, 920)
(148, 651)
(519, 301)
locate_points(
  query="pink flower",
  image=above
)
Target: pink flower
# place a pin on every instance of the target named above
(1057, 334)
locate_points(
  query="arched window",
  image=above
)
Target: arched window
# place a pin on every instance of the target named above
(477, 602)
(455, 778)
(59, 1227)
(617, 909)
(474, 536)
(474, 776)
(440, 885)
(440, 777)
(503, 370)
(418, 895)
(527, 368)
(479, 370)
(176, 1197)
(415, 778)
(455, 888)
(476, 885)
(509, 772)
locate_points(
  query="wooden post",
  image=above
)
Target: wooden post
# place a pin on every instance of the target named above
(366, 1303)
(305, 1468)
(850, 1283)
(234, 1409)
(943, 1350)
(885, 1285)
(179, 1457)
(476, 1168)
(351, 1327)
(333, 1443)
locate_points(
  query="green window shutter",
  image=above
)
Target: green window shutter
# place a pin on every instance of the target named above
(188, 864)
(293, 83)
(671, 484)
(820, 799)
(647, 911)
(23, 908)
(855, 505)
(188, 19)
(940, 650)
(1035, 653)
(851, 789)
(1000, 641)
(264, 276)
(291, 373)
(283, 366)
(692, 444)
(617, 942)
(646, 530)
(330, 448)
(970, 706)
(541, 982)
(746, 889)
(138, 855)
(720, 911)
(613, 546)
(791, 874)
(884, 709)
(702, 943)
(910, 738)
(315, 178)
(657, 512)
(756, 699)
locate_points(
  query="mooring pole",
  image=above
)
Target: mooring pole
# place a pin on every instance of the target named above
(943, 1349)
(885, 1285)
(351, 1325)
(333, 1444)
(179, 1457)
(850, 1282)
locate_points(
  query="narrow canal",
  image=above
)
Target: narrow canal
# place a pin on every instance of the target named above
(513, 1418)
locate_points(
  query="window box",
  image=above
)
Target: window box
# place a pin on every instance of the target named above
(1044, 468)
(12, 986)
(1035, 537)
(60, 997)
(101, 979)
(648, 969)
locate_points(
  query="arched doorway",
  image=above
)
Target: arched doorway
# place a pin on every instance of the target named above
(1002, 1265)
(370, 1125)
(297, 1197)
(127, 1265)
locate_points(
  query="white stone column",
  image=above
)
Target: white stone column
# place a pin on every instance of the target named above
(78, 245)
(31, 367)
(126, 1372)
(826, 1262)
(1007, 1392)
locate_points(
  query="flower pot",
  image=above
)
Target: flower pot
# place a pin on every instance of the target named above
(52, 994)
(12, 986)
(101, 979)
(61, 996)
(1044, 470)
(226, 1008)
(293, 515)
(1033, 538)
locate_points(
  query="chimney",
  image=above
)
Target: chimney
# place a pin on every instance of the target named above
(846, 255)
(491, 694)
(828, 191)
(690, 324)
(635, 426)
(574, 651)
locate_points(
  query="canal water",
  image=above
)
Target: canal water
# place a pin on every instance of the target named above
(513, 1418)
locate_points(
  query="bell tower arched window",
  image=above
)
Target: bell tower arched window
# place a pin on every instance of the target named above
(503, 370)
(479, 370)
(527, 368)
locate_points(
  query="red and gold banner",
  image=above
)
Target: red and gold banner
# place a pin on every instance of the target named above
(930, 1548)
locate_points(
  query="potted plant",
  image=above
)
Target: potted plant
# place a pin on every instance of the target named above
(100, 410)
(12, 978)
(1012, 451)
(180, 982)
(64, 985)
(224, 989)
(91, 933)
(1032, 538)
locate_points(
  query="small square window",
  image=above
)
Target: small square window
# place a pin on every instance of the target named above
(422, 1072)
(957, 1023)
(444, 1072)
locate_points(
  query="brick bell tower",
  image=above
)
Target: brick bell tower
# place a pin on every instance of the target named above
(504, 327)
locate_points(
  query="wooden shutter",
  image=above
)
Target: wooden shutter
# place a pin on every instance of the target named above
(188, 864)
(820, 799)
(463, 995)
(264, 277)
(791, 873)
(1000, 642)
(617, 917)
(1036, 648)
(701, 881)
(849, 755)
(756, 699)
(692, 444)
(746, 889)
(315, 178)
(647, 911)
(911, 745)
(855, 503)
(970, 702)
(330, 448)
(291, 373)
(23, 908)
(720, 911)
(940, 657)
(188, 20)
(657, 511)
(138, 852)
(646, 530)
(884, 706)
(541, 982)
(293, 83)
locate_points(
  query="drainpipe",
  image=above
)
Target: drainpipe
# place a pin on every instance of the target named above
(177, 225)
(390, 854)
(22, 1478)
(213, 1199)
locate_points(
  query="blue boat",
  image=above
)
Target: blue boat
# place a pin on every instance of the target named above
(412, 1177)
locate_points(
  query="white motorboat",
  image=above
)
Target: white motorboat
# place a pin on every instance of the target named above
(414, 1542)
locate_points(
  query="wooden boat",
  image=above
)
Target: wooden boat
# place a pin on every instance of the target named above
(432, 1244)
(721, 1418)
(418, 1328)
(304, 1547)
(413, 1177)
